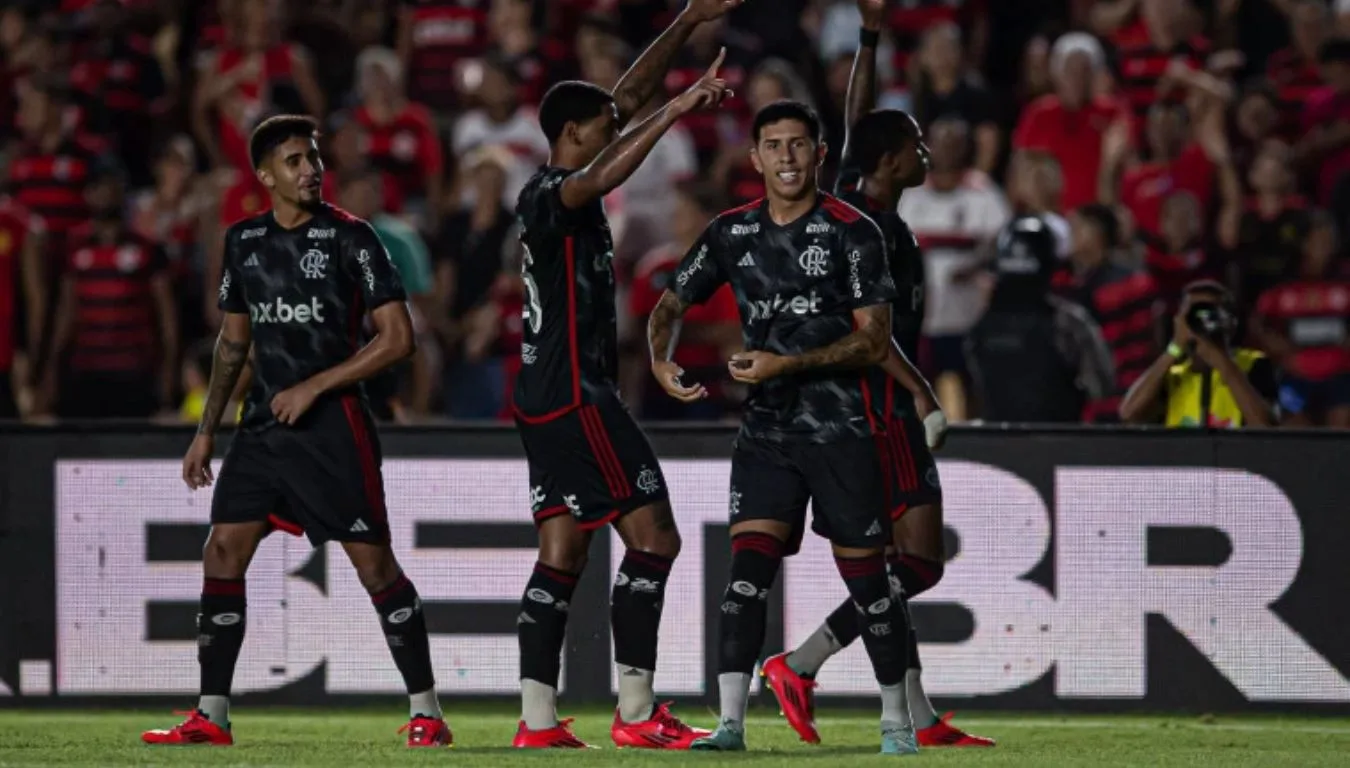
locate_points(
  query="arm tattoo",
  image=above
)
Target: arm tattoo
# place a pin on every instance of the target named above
(865, 346)
(226, 366)
(663, 327)
(639, 84)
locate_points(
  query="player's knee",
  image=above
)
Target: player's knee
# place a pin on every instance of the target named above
(378, 572)
(665, 543)
(226, 554)
(565, 556)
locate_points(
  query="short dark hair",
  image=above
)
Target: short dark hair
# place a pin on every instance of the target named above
(275, 131)
(1104, 219)
(787, 109)
(877, 134)
(1213, 288)
(571, 101)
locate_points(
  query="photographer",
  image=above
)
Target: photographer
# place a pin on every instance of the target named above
(1200, 380)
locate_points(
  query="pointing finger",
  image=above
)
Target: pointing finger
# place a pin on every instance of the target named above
(717, 63)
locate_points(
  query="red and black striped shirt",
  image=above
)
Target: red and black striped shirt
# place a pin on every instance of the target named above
(51, 184)
(444, 33)
(115, 322)
(1142, 64)
(406, 147)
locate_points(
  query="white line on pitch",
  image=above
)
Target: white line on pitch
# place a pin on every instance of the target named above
(976, 722)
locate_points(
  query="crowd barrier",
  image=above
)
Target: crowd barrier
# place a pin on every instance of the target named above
(1089, 570)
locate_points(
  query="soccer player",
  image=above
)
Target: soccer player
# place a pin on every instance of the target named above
(814, 289)
(297, 284)
(590, 464)
(884, 154)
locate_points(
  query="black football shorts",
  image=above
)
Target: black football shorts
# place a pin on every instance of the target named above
(908, 466)
(593, 463)
(320, 477)
(842, 480)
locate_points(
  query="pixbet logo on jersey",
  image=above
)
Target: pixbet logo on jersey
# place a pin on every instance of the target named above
(763, 309)
(280, 312)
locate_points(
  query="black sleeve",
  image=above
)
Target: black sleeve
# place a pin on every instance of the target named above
(542, 206)
(869, 272)
(231, 295)
(367, 262)
(1262, 378)
(700, 273)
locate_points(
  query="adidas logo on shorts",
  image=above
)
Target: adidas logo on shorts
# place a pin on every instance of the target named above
(360, 527)
(875, 529)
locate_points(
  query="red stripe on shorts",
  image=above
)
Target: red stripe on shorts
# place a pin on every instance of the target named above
(370, 469)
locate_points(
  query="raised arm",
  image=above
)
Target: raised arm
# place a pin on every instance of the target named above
(862, 83)
(640, 83)
(620, 159)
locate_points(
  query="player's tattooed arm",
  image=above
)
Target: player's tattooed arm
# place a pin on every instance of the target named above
(663, 330)
(640, 83)
(867, 345)
(227, 364)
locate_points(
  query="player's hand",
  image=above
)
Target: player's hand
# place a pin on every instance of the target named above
(709, 91)
(699, 11)
(1181, 332)
(756, 366)
(873, 13)
(668, 376)
(290, 404)
(197, 462)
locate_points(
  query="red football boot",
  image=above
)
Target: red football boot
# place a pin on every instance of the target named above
(197, 729)
(559, 736)
(428, 732)
(796, 696)
(942, 734)
(660, 731)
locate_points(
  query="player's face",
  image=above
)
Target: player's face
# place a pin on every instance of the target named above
(295, 172)
(598, 132)
(787, 158)
(913, 160)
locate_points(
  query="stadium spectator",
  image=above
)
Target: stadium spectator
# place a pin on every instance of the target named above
(1302, 325)
(435, 39)
(1160, 34)
(502, 121)
(1256, 121)
(1033, 356)
(1267, 239)
(1295, 72)
(1071, 123)
(945, 88)
(516, 40)
(1201, 379)
(114, 347)
(1325, 146)
(954, 214)
(1122, 301)
(253, 74)
(399, 137)
(1178, 256)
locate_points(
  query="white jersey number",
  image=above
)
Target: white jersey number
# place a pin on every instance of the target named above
(533, 311)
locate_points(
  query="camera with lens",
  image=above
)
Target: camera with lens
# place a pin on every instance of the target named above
(1211, 320)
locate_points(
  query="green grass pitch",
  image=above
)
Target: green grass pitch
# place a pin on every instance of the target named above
(345, 738)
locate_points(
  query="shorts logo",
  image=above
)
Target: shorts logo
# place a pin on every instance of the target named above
(897, 589)
(880, 606)
(314, 264)
(226, 619)
(880, 630)
(620, 579)
(932, 477)
(647, 481)
(400, 616)
(874, 529)
(814, 261)
(536, 498)
(735, 502)
(571, 502)
(529, 353)
(731, 608)
(539, 596)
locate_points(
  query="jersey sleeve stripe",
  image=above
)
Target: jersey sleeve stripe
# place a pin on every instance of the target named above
(370, 469)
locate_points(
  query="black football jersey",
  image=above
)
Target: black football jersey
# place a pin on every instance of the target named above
(306, 291)
(796, 286)
(570, 350)
(906, 260)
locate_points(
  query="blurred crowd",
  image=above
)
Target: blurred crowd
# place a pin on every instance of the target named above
(1165, 141)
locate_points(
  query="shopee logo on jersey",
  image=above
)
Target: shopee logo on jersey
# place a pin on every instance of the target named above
(763, 309)
(280, 312)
